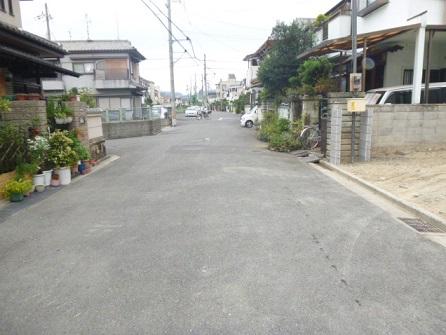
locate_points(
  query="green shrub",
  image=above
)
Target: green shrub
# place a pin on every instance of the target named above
(61, 152)
(19, 186)
(284, 142)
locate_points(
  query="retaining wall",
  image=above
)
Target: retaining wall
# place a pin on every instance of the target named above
(125, 129)
(25, 112)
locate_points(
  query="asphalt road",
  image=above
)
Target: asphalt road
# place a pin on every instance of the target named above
(200, 230)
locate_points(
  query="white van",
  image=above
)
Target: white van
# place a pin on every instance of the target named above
(248, 119)
(403, 95)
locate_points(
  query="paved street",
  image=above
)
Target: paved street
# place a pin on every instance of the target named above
(200, 230)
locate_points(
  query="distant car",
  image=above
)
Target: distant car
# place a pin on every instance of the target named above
(248, 119)
(160, 111)
(192, 111)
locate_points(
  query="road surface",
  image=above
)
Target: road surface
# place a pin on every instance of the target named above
(200, 230)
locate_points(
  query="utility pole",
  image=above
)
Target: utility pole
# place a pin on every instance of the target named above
(87, 22)
(205, 83)
(172, 75)
(355, 69)
(47, 18)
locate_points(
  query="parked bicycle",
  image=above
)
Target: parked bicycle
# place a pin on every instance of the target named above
(310, 137)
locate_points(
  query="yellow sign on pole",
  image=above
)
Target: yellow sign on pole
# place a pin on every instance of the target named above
(356, 105)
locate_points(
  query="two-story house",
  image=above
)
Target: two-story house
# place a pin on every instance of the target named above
(253, 84)
(230, 89)
(108, 68)
(400, 42)
(24, 57)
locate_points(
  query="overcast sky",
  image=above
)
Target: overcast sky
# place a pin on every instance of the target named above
(225, 30)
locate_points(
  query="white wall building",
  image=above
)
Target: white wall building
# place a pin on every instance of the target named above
(395, 36)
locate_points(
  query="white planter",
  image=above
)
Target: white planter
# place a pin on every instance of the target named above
(64, 175)
(65, 120)
(39, 179)
(47, 174)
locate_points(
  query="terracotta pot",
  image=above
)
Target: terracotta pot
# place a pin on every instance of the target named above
(34, 96)
(21, 96)
(72, 98)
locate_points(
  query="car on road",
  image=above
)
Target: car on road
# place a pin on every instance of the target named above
(160, 111)
(250, 118)
(403, 94)
(192, 111)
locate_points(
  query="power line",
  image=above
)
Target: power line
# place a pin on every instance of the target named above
(167, 28)
(175, 25)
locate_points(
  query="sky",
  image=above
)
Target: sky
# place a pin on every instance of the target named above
(226, 31)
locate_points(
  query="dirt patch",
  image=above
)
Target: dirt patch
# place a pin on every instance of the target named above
(418, 177)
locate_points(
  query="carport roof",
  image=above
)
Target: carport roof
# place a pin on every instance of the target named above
(345, 43)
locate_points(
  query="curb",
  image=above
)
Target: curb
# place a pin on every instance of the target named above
(413, 209)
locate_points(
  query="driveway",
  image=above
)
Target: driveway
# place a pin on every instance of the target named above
(200, 230)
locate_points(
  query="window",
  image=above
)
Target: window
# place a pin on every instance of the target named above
(11, 8)
(367, 6)
(83, 67)
(400, 97)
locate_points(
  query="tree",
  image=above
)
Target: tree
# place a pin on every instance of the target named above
(281, 63)
(314, 76)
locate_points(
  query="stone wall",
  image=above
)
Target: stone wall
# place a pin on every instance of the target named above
(96, 135)
(391, 128)
(125, 129)
(27, 112)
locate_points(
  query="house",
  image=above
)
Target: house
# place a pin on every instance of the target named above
(400, 43)
(25, 58)
(108, 68)
(230, 89)
(253, 84)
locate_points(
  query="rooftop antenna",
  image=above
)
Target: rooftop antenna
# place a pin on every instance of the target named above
(69, 34)
(47, 16)
(87, 22)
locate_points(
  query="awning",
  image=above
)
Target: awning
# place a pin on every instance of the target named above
(345, 43)
(22, 56)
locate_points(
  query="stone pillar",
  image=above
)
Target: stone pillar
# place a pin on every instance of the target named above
(339, 129)
(365, 145)
(310, 106)
(80, 122)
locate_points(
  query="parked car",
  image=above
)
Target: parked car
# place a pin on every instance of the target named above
(192, 111)
(248, 119)
(160, 111)
(403, 95)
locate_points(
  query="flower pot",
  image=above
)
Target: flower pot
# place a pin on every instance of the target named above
(72, 98)
(21, 96)
(16, 197)
(35, 132)
(40, 188)
(64, 175)
(47, 177)
(39, 179)
(68, 119)
(55, 182)
(34, 96)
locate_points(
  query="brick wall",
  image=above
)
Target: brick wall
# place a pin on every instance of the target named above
(390, 128)
(23, 112)
(125, 129)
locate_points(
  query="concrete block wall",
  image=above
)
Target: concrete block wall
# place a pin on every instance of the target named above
(125, 129)
(391, 128)
(23, 112)
(339, 130)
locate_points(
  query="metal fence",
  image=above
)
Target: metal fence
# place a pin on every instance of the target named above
(135, 114)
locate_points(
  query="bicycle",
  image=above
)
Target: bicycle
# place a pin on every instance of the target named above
(310, 137)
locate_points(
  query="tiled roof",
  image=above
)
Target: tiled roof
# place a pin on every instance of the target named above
(78, 46)
(31, 37)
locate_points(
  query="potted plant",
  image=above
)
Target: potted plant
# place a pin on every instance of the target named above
(38, 149)
(5, 105)
(34, 129)
(55, 180)
(63, 114)
(73, 94)
(62, 155)
(34, 96)
(14, 190)
(82, 152)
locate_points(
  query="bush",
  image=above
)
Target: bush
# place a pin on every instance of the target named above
(19, 186)
(61, 152)
(284, 142)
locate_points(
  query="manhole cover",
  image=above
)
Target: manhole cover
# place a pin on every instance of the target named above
(421, 226)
